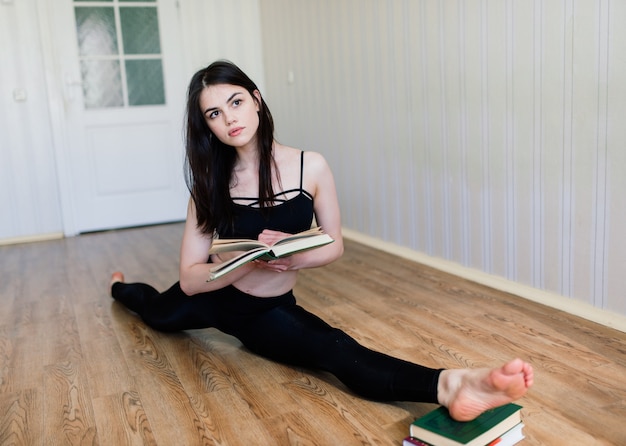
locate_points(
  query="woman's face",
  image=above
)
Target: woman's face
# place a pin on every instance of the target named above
(231, 113)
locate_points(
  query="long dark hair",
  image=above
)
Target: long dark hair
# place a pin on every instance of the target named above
(210, 163)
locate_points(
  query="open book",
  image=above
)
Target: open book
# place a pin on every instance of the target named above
(254, 249)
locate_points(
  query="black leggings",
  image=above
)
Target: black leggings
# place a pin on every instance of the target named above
(279, 329)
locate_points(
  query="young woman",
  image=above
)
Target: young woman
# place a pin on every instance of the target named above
(244, 184)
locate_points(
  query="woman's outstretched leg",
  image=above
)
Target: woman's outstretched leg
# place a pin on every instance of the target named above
(169, 311)
(293, 335)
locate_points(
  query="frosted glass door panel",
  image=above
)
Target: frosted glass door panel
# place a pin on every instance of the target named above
(140, 30)
(96, 31)
(102, 83)
(145, 82)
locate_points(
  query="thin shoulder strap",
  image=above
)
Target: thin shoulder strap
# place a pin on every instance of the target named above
(301, 168)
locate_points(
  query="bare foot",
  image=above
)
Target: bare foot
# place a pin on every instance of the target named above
(469, 392)
(117, 277)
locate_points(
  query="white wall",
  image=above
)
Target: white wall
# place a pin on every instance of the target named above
(488, 133)
(29, 196)
(215, 29)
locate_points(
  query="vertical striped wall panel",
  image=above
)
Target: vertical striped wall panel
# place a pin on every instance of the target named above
(484, 132)
(611, 242)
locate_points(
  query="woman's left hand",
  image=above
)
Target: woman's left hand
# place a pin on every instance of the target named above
(270, 237)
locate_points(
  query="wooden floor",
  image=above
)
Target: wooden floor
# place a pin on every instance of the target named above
(77, 368)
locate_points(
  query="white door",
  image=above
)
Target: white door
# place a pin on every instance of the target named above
(119, 65)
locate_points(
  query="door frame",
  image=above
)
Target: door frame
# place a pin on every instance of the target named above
(56, 106)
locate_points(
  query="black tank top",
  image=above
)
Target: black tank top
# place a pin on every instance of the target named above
(290, 215)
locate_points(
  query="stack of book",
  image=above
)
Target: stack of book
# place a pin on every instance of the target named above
(501, 426)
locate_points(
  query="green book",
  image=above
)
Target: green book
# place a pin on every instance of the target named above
(438, 428)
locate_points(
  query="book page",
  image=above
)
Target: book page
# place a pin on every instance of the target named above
(299, 244)
(239, 260)
(225, 245)
(304, 234)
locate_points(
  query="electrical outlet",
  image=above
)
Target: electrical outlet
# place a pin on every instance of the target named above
(19, 95)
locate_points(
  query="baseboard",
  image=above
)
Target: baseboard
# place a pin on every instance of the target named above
(569, 305)
(31, 238)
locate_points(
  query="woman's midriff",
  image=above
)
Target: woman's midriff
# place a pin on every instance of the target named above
(264, 283)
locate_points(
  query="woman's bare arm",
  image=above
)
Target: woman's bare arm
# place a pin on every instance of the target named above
(194, 254)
